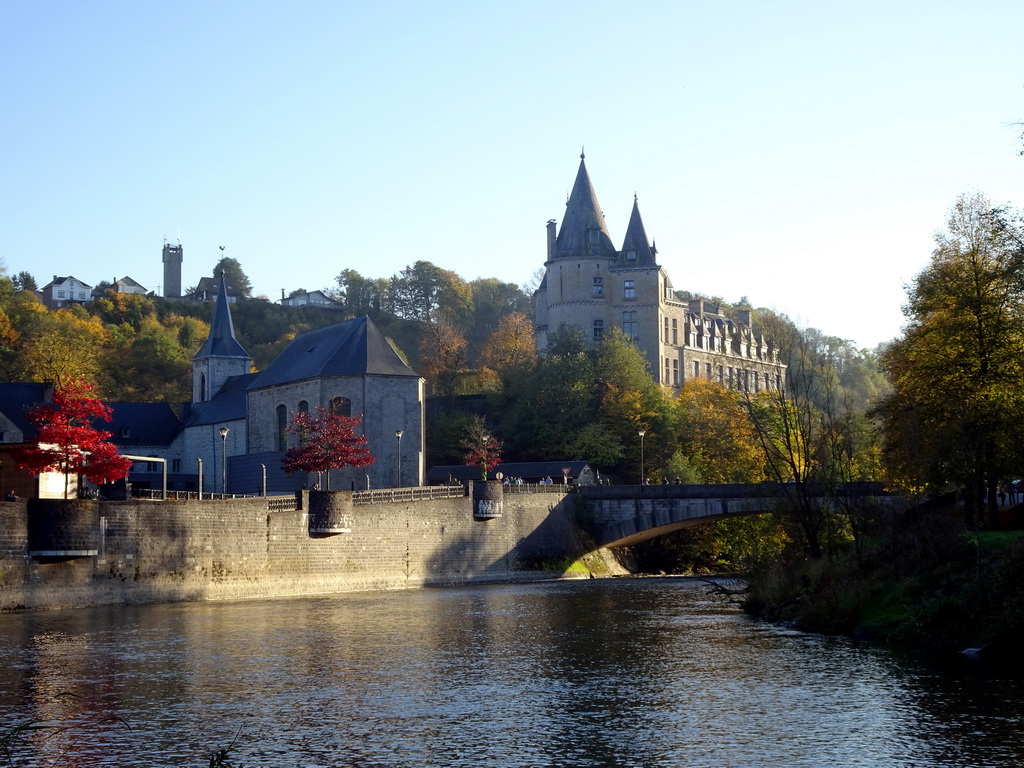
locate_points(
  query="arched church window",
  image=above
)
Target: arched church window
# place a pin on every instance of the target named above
(341, 406)
(282, 428)
(303, 406)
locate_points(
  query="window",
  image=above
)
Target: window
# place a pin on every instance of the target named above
(341, 406)
(629, 324)
(599, 286)
(282, 428)
(594, 236)
(598, 328)
(175, 465)
(666, 379)
(303, 406)
(707, 369)
(629, 289)
(696, 369)
(125, 433)
(721, 375)
(675, 373)
(81, 295)
(151, 466)
(630, 255)
(60, 294)
(675, 332)
(665, 325)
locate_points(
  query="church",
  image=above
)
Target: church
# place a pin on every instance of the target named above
(590, 284)
(233, 434)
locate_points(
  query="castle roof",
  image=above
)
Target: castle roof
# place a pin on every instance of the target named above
(636, 240)
(221, 342)
(350, 348)
(583, 216)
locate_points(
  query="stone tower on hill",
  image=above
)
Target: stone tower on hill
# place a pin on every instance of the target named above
(590, 284)
(173, 257)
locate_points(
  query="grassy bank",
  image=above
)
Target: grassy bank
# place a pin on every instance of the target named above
(919, 581)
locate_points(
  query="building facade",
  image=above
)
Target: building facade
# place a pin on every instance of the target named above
(592, 285)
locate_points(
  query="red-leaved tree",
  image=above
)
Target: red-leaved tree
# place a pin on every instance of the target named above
(66, 440)
(326, 441)
(482, 449)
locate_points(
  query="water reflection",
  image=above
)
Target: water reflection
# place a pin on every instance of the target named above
(647, 672)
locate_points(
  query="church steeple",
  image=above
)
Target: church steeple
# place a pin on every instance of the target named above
(221, 357)
(635, 250)
(583, 232)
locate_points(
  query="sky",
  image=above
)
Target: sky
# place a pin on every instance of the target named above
(799, 154)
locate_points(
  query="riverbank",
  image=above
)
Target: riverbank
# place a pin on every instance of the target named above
(928, 584)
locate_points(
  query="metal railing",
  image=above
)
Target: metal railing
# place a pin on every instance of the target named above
(537, 488)
(393, 495)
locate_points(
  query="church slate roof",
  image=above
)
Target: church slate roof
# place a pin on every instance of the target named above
(222, 342)
(17, 399)
(350, 348)
(229, 404)
(583, 214)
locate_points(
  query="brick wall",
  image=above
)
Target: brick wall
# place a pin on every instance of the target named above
(223, 549)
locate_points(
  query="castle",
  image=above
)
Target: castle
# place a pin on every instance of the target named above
(590, 284)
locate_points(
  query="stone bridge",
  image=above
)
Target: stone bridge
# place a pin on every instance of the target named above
(623, 515)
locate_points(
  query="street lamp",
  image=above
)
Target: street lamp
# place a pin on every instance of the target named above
(223, 460)
(642, 432)
(398, 434)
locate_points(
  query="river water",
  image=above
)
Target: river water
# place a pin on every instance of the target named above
(625, 672)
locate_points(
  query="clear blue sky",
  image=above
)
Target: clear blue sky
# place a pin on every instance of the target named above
(801, 154)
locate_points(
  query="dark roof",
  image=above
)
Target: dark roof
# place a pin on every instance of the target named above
(17, 398)
(228, 404)
(141, 424)
(222, 342)
(525, 469)
(582, 214)
(636, 240)
(350, 348)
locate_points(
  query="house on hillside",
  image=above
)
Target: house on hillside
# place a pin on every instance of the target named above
(208, 289)
(310, 299)
(64, 291)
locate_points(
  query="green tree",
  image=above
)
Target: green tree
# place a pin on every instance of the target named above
(424, 291)
(953, 418)
(232, 270)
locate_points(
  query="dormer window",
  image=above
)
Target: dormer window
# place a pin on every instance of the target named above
(125, 433)
(631, 255)
(594, 236)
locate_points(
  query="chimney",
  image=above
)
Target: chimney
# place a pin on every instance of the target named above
(551, 239)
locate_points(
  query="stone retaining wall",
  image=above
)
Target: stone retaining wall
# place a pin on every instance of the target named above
(238, 548)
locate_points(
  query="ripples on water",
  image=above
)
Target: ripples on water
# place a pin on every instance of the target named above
(637, 672)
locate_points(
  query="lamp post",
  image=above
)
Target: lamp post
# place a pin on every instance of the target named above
(398, 434)
(223, 460)
(642, 432)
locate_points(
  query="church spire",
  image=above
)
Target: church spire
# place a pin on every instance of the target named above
(221, 342)
(583, 231)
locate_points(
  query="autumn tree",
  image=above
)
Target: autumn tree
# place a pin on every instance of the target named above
(512, 346)
(67, 441)
(716, 435)
(327, 441)
(953, 419)
(62, 346)
(482, 449)
(442, 356)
